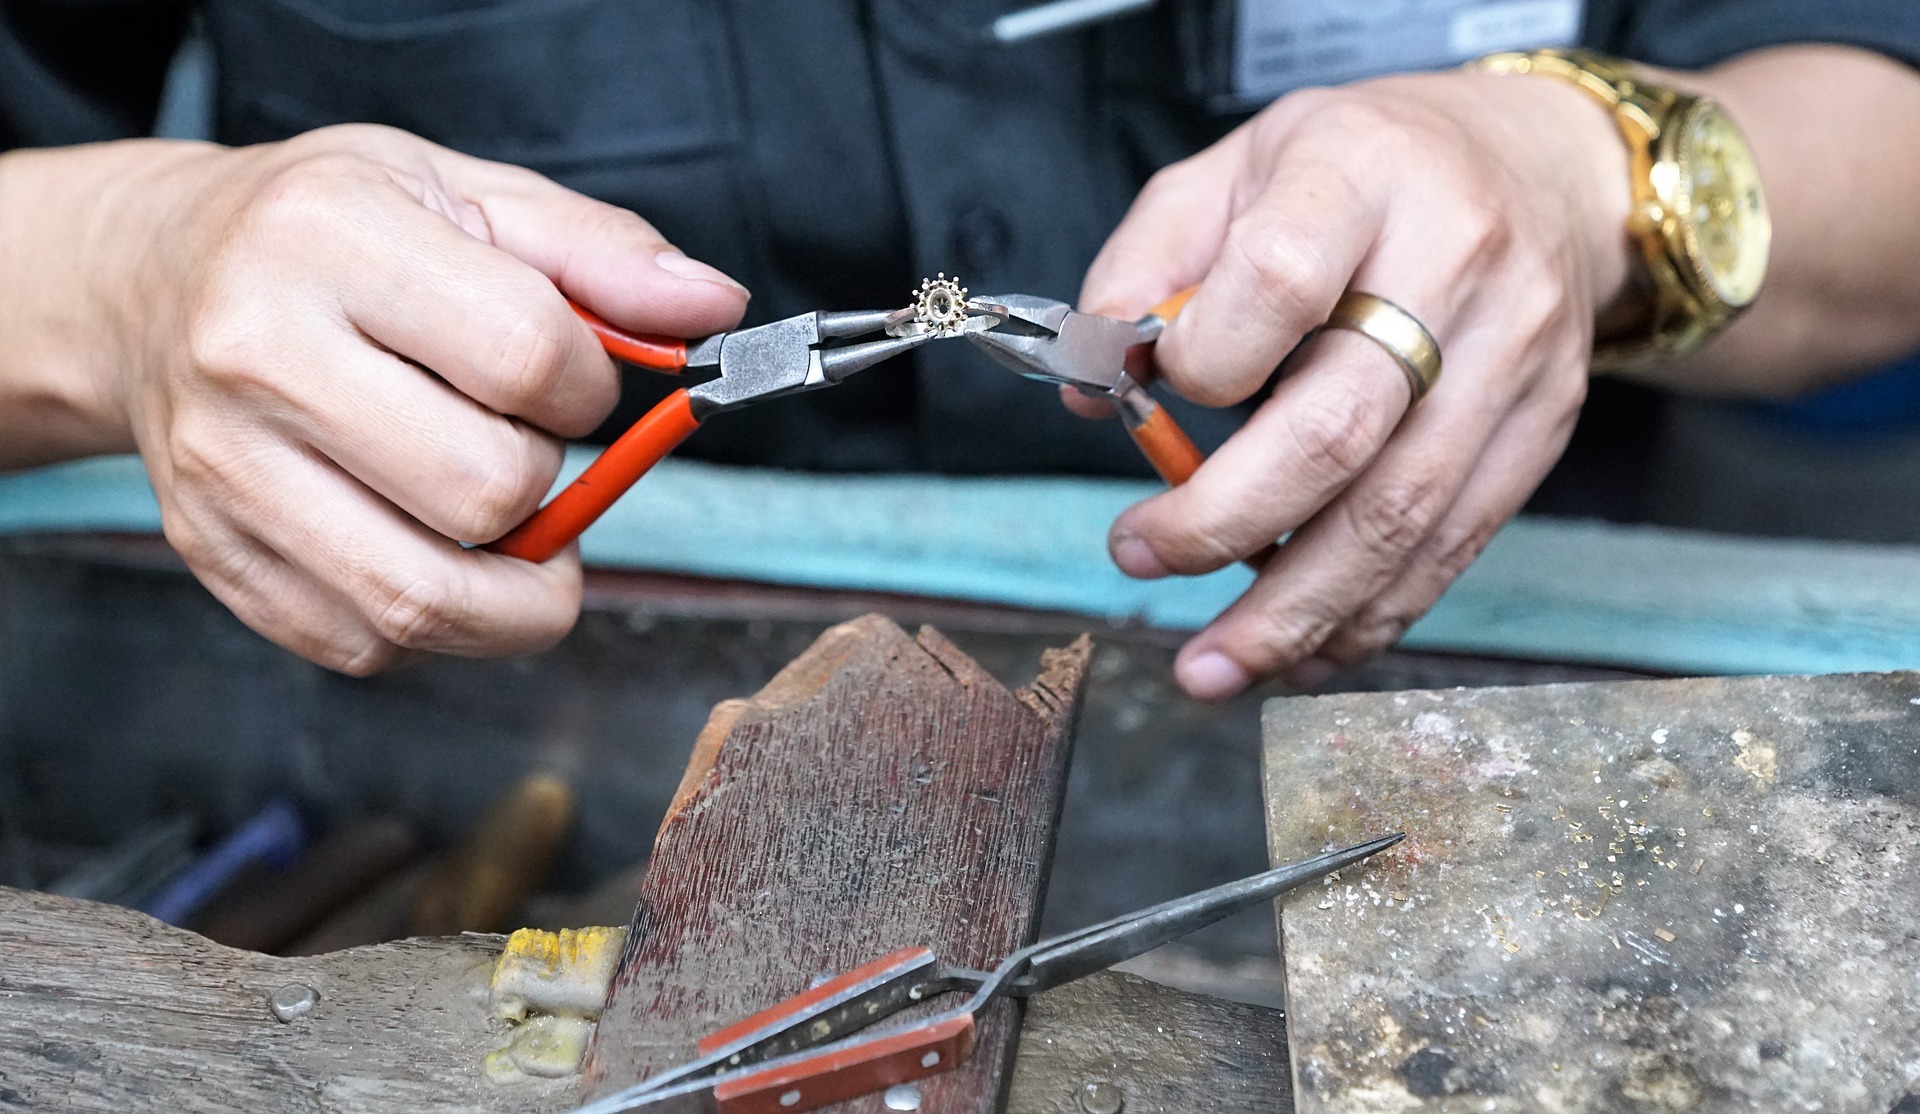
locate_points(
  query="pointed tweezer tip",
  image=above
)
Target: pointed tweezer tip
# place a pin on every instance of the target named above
(1351, 855)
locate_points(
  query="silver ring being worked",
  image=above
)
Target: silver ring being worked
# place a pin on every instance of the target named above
(906, 323)
(1397, 331)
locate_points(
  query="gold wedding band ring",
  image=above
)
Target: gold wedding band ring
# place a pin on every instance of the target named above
(1397, 331)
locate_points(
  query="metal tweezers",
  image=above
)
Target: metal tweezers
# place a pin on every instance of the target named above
(810, 1051)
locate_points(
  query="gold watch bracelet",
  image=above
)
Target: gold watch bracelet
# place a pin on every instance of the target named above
(1641, 112)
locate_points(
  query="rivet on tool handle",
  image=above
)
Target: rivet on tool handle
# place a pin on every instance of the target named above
(562, 520)
(803, 1004)
(849, 1071)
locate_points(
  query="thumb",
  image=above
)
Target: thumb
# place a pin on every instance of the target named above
(604, 257)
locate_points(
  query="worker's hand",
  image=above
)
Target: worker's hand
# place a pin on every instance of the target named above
(1492, 209)
(346, 355)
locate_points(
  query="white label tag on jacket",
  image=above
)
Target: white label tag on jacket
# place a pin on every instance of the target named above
(1285, 44)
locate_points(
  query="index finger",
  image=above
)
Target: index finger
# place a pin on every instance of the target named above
(490, 325)
(1283, 265)
(608, 259)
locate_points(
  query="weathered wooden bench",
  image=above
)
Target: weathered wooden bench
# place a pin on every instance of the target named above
(881, 791)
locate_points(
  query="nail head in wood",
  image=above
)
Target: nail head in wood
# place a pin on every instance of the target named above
(1101, 1098)
(292, 1001)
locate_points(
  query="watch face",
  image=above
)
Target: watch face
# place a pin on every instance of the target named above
(1727, 230)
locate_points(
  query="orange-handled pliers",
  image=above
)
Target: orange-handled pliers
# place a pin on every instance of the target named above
(1046, 339)
(767, 361)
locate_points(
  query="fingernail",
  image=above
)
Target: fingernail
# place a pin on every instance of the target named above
(1135, 559)
(1211, 676)
(678, 263)
(1311, 674)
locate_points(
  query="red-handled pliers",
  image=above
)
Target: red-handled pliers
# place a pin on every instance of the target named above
(1102, 357)
(767, 361)
(1049, 340)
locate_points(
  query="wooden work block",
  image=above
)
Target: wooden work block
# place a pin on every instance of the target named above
(1693, 895)
(106, 1009)
(882, 791)
(1112, 1041)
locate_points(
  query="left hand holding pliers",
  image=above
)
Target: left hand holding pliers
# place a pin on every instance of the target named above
(787, 357)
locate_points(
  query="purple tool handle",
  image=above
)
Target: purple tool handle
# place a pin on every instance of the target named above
(275, 836)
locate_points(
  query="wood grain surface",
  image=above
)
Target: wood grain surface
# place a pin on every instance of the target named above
(106, 1009)
(882, 791)
(1158, 1050)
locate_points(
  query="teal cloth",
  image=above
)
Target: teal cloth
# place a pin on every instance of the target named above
(1547, 589)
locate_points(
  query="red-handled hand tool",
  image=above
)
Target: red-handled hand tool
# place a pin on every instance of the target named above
(768, 361)
(810, 1050)
(1046, 339)
(1049, 340)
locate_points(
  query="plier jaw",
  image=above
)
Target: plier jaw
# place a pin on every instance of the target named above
(1049, 340)
(789, 357)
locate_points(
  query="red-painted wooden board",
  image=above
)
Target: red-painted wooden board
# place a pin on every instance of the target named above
(883, 791)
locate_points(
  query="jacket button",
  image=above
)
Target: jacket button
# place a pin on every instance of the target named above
(980, 240)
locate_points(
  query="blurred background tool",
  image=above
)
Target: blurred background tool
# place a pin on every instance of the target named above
(503, 861)
(377, 916)
(609, 901)
(275, 836)
(342, 866)
(1061, 16)
(134, 868)
(17, 865)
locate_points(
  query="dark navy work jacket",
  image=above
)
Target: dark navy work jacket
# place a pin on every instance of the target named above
(827, 153)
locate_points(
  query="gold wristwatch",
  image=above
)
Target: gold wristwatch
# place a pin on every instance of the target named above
(1699, 215)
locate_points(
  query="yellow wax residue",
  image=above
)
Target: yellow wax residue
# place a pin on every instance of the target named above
(546, 1047)
(549, 987)
(563, 972)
